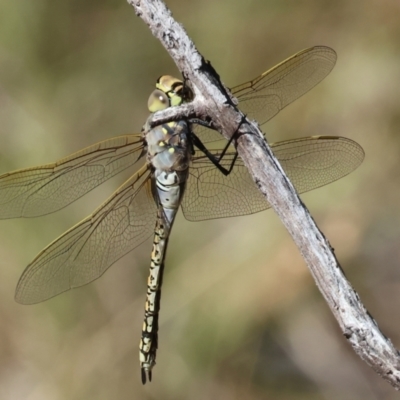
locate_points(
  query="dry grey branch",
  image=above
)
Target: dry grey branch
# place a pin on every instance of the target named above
(213, 102)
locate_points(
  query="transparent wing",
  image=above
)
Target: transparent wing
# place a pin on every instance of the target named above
(47, 188)
(309, 162)
(263, 97)
(83, 253)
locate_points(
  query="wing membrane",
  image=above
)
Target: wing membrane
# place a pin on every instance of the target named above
(83, 253)
(44, 189)
(263, 97)
(309, 162)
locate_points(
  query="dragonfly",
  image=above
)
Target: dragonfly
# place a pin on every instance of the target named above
(173, 173)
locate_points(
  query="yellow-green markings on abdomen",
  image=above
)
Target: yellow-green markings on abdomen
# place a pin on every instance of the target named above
(148, 343)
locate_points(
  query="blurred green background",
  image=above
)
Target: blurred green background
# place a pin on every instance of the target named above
(241, 317)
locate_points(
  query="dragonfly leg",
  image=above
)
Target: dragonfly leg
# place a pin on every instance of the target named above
(215, 160)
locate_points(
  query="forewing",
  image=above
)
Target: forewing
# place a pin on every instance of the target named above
(263, 97)
(44, 189)
(309, 163)
(83, 253)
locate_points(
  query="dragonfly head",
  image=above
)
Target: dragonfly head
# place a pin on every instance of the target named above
(170, 92)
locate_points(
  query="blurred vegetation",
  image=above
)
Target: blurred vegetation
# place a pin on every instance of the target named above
(241, 317)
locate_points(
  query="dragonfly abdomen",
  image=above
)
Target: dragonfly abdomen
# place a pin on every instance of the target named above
(149, 341)
(168, 190)
(169, 152)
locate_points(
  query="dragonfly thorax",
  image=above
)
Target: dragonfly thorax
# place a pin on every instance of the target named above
(168, 146)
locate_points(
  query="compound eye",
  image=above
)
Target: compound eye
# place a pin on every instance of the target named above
(168, 83)
(158, 101)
